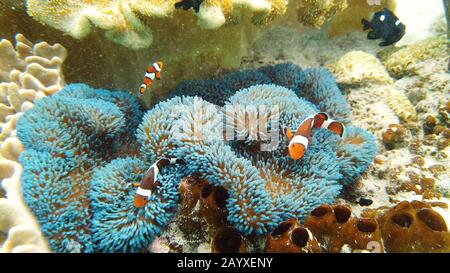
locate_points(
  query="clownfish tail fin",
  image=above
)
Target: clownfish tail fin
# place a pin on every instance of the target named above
(288, 133)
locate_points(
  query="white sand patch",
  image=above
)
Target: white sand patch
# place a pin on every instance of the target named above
(419, 17)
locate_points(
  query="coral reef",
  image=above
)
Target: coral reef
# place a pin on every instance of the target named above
(360, 68)
(316, 13)
(262, 186)
(407, 60)
(66, 136)
(28, 72)
(337, 230)
(406, 227)
(123, 25)
(395, 136)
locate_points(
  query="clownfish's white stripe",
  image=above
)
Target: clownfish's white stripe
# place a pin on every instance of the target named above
(151, 76)
(173, 160)
(143, 85)
(327, 123)
(143, 192)
(299, 139)
(156, 66)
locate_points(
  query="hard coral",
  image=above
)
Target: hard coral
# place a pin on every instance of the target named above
(316, 12)
(123, 20)
(407, 60)
(65, 139)
(118, 226)
(28, 72)
(264, 187)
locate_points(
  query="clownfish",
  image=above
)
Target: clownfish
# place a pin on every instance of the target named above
(150, 181)
(299, 141)
(152, 72)
(322, 120)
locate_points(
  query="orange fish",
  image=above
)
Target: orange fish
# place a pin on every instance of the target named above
(152, 72)
(150, 181)
(322, 120)
(298, 141)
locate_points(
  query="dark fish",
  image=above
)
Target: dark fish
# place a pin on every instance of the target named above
(187, 4)
(365, 202)
(384, 25)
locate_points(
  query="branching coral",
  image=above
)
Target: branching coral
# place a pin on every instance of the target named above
(65, 137)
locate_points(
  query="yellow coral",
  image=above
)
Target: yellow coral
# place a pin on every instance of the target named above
(399, 103)
(317, 12)
(407, 60)
(360, 68)
(27, 72)
(121, 19)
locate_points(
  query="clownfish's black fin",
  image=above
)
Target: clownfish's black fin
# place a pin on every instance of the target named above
(366, 24)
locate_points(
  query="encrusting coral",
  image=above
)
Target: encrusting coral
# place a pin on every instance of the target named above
(407, 60)
(262, 188)
(28, 72)
(360, 68)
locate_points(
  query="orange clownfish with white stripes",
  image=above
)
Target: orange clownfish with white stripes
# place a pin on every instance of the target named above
(152, 72)
(150, 181)
(299, 141)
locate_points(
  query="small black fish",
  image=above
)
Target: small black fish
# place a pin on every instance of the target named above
(187, 4)
(365, 202)
(384, 25)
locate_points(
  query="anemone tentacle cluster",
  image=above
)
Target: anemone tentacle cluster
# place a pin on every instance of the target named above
(265, 187)
(86, 175)
(66, 136)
